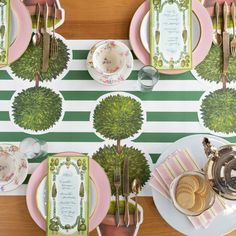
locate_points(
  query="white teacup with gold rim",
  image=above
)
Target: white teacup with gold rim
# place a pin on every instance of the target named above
(108, 58)
(7, 168)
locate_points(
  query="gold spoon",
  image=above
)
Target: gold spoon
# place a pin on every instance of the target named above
(136, 188)
(217, 38)
(37, 35)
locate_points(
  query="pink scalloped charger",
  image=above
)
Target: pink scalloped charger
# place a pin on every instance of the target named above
(200, 51)
(97, 175)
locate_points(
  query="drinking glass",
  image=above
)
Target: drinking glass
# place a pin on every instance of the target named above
(33, 147)
(148, 76)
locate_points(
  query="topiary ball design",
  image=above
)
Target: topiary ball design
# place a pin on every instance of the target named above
(108, 158)
(37, 108)
(211, 67)
(118, 117)
(218, 111)
(31, 62)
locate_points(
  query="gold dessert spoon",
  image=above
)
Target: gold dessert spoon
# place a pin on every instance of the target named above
(217, 38)
(136, 189)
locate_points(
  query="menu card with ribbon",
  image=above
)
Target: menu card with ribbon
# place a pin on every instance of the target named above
(4, 31)
(68, 196)
(171, 34)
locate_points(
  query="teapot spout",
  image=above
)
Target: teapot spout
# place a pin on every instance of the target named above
(210, 151)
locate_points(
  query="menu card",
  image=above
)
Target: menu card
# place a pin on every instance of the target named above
(171, 34)
(4, 30)
(68, 196)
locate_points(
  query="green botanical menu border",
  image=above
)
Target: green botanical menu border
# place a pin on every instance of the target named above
(7, 31)
(49, 186)
(154, 10)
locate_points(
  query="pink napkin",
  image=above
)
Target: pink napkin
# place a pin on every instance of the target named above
(177, 163)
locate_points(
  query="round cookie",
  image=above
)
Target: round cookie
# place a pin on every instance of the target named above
(190, 180)
(202, 184)
(199, 204)
(181, 185)
(204, 191)
(183, 189)
(185, 200)
(203, 187)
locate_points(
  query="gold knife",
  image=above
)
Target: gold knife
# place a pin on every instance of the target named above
(226, 51)
(126, 190)
(46, 40)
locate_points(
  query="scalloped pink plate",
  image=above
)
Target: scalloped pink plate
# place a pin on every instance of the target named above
(97, 175)
(24, 31)
(200, 51)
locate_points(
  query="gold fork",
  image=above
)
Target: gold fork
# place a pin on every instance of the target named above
(54, 43)
(117, 184)
(233, 41)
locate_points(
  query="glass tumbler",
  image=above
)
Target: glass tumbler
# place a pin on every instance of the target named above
(148, 76)
(33, 147)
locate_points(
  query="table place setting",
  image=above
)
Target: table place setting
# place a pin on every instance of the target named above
(90, 128)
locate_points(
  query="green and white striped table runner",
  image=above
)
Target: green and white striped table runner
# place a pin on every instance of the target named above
(171, 110)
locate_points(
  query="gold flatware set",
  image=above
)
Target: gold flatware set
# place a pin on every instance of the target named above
(117, 184)
(229, 45)
(136, 188)
(233, 41)
(50, 43)
(217, 37)
(226, 50)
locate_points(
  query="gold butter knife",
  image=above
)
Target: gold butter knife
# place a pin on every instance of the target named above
(226, 51)
(126, 190)
(46, 40)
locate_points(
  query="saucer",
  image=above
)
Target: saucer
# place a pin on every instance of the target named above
(21, 167)
(7, 163)
(22, 171)
(112, 79)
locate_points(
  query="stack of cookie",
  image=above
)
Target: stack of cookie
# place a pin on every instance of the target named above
(192, 193)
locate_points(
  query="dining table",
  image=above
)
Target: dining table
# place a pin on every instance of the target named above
(87, 19)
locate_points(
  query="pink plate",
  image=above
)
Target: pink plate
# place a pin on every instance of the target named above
(199, 53)
(97, 175)
(24, 31)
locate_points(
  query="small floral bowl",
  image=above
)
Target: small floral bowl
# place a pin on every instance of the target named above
(109, 58)
(209, 198)
(7, 168)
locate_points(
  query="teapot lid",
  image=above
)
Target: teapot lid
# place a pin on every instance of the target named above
(221, 169)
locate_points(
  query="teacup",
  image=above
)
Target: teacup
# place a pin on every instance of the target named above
(7, 168)
(209, 198)
(108, 58)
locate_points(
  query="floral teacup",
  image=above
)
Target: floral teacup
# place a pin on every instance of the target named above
(109, 58)
(7, 168)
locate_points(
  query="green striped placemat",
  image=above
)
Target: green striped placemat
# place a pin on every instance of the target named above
(171, 110)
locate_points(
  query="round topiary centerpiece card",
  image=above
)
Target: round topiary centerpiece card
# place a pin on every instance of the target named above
(31, 62)
(211, 68)
(218, 111)
(36, 109)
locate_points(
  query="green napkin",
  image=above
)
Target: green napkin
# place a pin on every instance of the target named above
(68, 196)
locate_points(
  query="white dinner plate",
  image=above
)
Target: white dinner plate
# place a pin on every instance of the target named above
(145, 31)
(223, 223)
(42, 200)
(13, 27)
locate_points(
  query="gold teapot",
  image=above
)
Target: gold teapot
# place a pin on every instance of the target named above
(220, 170)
